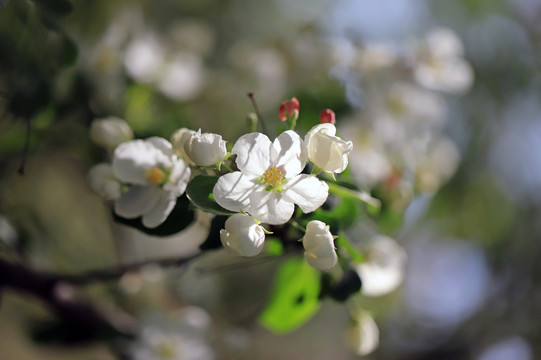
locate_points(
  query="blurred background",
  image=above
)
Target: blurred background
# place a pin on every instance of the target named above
(442, 102)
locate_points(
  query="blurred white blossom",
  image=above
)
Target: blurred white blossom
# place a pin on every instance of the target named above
(362, 334)
(110, 132)
(384, 267)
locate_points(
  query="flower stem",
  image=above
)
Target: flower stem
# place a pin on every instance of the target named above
(258, 113)
(228, 168)
(373, 204)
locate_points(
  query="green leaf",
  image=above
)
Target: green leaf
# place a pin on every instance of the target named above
(295, 298)
(199, 192)
(179, 219)
(340, 217)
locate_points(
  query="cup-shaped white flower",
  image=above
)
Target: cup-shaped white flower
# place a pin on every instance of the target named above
(156, 175)
(269, 182)
(205, 149)
(178, 139)
(102, 181)
(318, 245)
(327, 151)
(110, 132)
(243, 235)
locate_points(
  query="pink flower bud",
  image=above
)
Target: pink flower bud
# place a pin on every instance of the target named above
(289, 109)
(327, 116)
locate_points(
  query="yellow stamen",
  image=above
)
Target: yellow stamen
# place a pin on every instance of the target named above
(273, 176)
(156, 176)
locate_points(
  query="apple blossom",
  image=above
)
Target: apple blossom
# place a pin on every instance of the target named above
(318, 245)
(178, 139)
(110, 132)
(362, 334)
(441, 65)
(327, 151)
(102, 181)
(205, 149)
(156, 175)
(269, 182)
(243, 235)
(384, 268)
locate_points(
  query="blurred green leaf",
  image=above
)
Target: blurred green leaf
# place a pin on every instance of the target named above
(199, 192)
(179, 219)
(338, 218)
(273, 246)
(295, 297)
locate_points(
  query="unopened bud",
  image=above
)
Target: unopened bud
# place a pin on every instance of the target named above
(289, 110)
(327, 116)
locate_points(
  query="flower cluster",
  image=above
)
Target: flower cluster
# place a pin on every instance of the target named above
(145, 178)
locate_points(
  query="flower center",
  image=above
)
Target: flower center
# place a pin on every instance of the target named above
(156, 176)
(273, 176)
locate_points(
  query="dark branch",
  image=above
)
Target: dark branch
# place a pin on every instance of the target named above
(82, 321)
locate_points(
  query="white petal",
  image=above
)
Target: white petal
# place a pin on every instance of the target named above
(130, 160)
(232, 191)
(137, 201)
(178, 178)
(159, 212)
(307, 191)
(291, 153)
(253, 154)
(269, 207)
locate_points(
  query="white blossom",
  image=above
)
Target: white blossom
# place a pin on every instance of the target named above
(362, 334)
(318, 245)
(102, 181)
(205, 149)
(178, 139)
(156, 176)
(440, 65)
(384, 268)
(110, 132)
(269, 182)
(243, 235)
(327, 151)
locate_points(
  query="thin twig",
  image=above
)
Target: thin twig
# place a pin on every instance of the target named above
(258, 112)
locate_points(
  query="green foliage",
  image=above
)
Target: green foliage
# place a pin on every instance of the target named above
(295, 297)
(199, 192)
(179, 219)
(338, 218)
